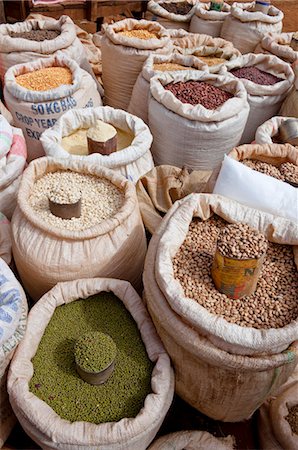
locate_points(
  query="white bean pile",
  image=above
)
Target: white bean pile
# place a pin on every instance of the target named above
(65, 195)
(100, 199)
(240, 241)
(274, 303)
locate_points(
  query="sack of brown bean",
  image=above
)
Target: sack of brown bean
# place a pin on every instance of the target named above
(68, 137)
(38, 93)
(125, 47)
(268, 132)
(155, 64)
(290, 105)
(267, 80)
(245, 28)
(171, 14)
(214, 341)
(278, 44)
(198, 111)
(206, 21)
(192, 440)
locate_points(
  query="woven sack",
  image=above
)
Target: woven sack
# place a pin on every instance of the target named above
(132, 162)
(4, 112)
(45, 255)
(278, 45)
(5, 239)
(221, 384)
(266, 132)
(290, 105)
(193, 136)
(264, 101)
(245, 28)
(123, 58)
(192, 440)
(138, 104)
(208, 22)
(35, 111)
(167, 19)
(43, 424)
(183, 41)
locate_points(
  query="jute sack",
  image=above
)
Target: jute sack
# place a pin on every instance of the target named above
(138, 104)
(195, 137)
(11, 293)
(264, 101)
(223, 385)
(290, 105)
(268, 130)
(192, 440)
(35, 111)
(45, 255)
(167, 19)
(132, 162)
(5, 239)
(278, 45)
(208, 22)
(43, 424)
(246, 28)
(123, 57)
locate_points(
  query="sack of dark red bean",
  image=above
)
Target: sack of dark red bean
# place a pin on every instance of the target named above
(267, 80)
(208, 21)
(195, 118)
(171, 14)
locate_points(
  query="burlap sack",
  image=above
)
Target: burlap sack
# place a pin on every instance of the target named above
(278, 45)
(269, 129)
(45, 255)
(192, 440)
(138, 104)
(123, 58)
(222, 385)
(264, 101)
(195, 137)
(290, 105)
(208, 22)
(161, 187)
(167, 19)
(43, 424)
(132, 162)
(245, 28)
(5, 239)
(35, 111)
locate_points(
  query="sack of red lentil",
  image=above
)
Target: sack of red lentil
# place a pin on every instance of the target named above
(155, 64)
(150, 396)
(245, 28)
(267, 80)
(198, 110)
(4, 112)
(278, 44)
(13, 154)
(125, 47)
(13, 317)
(106, 239)
(290, 105)
(220, 383)
(268, 132)
(206, 21)
(171, 14)
(195, 440)
(5, 239)
(68, 137)
(38, 93)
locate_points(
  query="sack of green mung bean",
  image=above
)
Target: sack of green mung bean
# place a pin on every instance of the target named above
(38, 93)
(48, 248)
(188, 440)
(268, 132)
(206, 21)
(198, 118)
(290, 105)
(278, 44)
(267, 80)
(245, 28)
(171, 14)
(155, 64)
(125, 46)
(220, 383)
(123, 413)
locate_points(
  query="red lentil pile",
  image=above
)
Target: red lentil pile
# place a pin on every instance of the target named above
(181, 8)
(37, 35)
(256, 75)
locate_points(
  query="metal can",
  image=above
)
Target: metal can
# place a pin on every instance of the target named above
(262, 6)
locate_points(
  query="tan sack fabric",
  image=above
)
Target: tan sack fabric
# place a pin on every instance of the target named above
(35, 111)
(4, 111)
(245, 28)
(266, 132)
(278, 44)
(138, 104)
(290, 105)
(192, 440)
(161, 187)
(45, 255)
(208, 22)
(132, 162)
(5, 239)
(223, 385)
(184, 41)
(123, 57)
(43, 424)
(193, 136)
(167, 19)
(264, 101)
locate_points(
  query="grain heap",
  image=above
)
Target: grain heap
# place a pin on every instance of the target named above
(36, 35)
(240, 241)
(94, 351)
(285, 172)
(167, 66)
(45, 79)
(256, 75)
(212, 61)
(181, 8)
(292, 418)
(139, 34)
(64, 194)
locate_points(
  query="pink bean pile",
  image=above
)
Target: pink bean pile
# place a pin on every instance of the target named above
(256, 75)
(199, 93)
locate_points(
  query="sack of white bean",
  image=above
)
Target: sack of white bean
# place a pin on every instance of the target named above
(188, 440)
(38, 93)
(290, 105)
(268, 132)
(68, 137)
(206, 21)
(5, 239)
(196, 323)
(170, 14)
(198, 118)
(125, 47)
(278, 45)
(48, 249)
(245, 28)
(267, 80)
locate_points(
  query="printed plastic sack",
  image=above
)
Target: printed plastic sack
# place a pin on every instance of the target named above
(278, 45)
(209, 22)
(155, 11)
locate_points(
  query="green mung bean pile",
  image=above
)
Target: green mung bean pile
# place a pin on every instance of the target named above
(94, 351)
(56, 381)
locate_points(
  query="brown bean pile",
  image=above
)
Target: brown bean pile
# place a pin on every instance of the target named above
(292, 418)
(256, 75)
(139, 34)
(240, 241)
(181, 8)
(166, 66)
(285, 172)
(289, 171)
(45, 79)
(199, 92)
(273, 304)
(37, 35)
